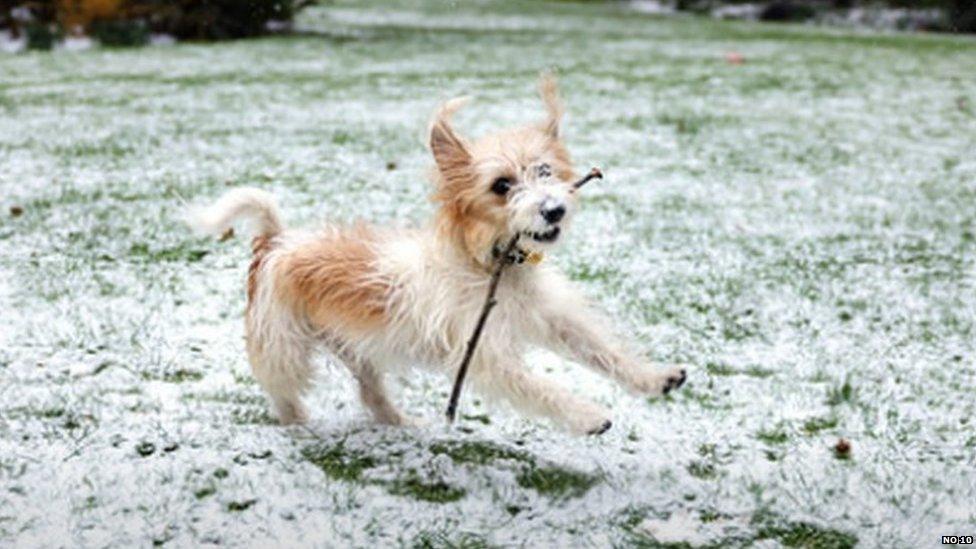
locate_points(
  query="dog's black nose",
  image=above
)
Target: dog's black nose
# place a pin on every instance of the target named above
(553, 215)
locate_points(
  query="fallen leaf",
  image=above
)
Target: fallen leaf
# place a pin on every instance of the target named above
(734, 58)
(842, 450)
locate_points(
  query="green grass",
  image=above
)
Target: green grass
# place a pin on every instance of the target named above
(815, 425)
(342, 464)
(769, 527)
(807, 536)
(845, 393)
(703, 470)
(548, 480)
(531, 473)
(556, 482)
(253, 416)
(773, 436)
(243, 505)
(185, 253)
(179, 376)
(433, 491)
(717, 369)
(449, 540)
(479, 452)
(339, 463)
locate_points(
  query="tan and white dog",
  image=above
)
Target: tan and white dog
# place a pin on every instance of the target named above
(377, 298)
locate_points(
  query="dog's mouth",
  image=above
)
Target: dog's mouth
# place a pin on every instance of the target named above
(549, 235)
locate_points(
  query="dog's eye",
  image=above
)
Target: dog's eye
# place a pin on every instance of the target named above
(501, 186)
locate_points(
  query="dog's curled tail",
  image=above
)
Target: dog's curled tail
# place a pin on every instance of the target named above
(247, 203)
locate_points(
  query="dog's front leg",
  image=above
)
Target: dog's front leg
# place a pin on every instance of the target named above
(510, 378)
(583, 337)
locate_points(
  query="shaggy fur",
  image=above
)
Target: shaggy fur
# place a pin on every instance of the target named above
(376, 298)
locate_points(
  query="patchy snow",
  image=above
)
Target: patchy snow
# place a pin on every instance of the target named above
(9, 44)
(875, 16)
(653, 7)
(159, 39)
(738, 11)
(77, 43)
(798, 228)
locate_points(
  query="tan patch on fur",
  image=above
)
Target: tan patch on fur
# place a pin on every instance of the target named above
(259, 247)
(334, 280)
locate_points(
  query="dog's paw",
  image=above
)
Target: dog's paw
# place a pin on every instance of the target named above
(675, 379)
(413, 421)
(594, 420)
(398, 419)
(603, 428)
(291, 413)
(662, 381)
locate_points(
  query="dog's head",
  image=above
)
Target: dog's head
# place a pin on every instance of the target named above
(516, 181)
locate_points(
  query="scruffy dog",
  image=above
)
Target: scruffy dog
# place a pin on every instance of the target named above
(376, 297)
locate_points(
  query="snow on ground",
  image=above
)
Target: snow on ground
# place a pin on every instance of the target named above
(8, 44)
(798, 228)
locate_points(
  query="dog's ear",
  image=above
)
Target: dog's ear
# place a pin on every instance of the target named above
(554, 106)
(449, 149)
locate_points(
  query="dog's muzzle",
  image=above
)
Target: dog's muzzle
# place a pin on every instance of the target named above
(549, 235)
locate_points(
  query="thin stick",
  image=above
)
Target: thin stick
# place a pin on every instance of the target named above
(490, 302)
(595, 173)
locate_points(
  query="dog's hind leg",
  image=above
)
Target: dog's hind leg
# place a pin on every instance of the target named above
(281, 364)
(279, 341)
(372, 391)
(279, 348)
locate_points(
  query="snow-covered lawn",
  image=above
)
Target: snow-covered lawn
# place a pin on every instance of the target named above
(799, 228)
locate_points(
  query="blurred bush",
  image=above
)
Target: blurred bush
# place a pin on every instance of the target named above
(216, 19)
(41, 36)
(957, 15)
(120, 32)
(787, 11)
(962, 15)
(129, 22)
(80, 14)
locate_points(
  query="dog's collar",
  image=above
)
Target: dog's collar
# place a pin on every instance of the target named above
(519, 255)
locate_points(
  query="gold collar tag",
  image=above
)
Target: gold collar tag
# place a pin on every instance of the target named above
(534, 258)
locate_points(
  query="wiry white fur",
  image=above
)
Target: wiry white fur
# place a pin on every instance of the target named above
(435, 301)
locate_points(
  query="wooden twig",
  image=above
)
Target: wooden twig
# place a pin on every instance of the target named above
(490, 302)
(595, 173)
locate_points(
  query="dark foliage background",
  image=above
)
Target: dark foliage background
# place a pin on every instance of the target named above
(959, 15)
(216, 19)
(129, 22)
(118, 22)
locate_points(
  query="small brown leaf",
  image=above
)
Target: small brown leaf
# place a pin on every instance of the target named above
(16, 211)
(734, 58)
(842, 450)
(391, 165)
(227, 235)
